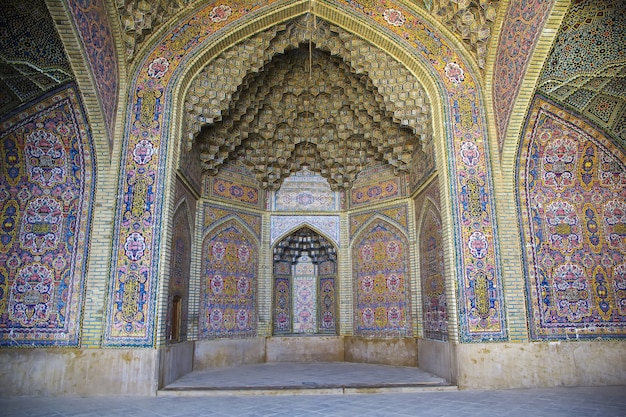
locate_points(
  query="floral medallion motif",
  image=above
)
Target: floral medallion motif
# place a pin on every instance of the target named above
(478, 245)
(571, 291)
(135, 246)
(41, 225)
(142, 154)
(563, 226)
(220, 13)
(32, 295)
(394, 17)
(45, 158)
(455, 73)
(559, 162)
(158, 68)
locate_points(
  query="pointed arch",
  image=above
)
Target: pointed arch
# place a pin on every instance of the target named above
(229, 282)
(432, 272)
(381, 281)
(449, 78)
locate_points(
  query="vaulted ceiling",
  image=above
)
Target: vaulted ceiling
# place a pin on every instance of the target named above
(585, 71)
(32, 57)
(306, 93)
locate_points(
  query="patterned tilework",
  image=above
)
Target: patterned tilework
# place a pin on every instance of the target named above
(93, 26)
(304, 298)
(306, 191)
(380, 258)
(229, 283)
(376, 191)
(572, 194)
(373, 184)
(586, 69)
(327, 302)
(24, 75)
(282, 303)
(136, 242)
(396, 213)
(180, 264)
(520, 31)
(46, 193)
(478, 254)
(230, 190)
(432, 273)
(213, 214)
(328, 225)
(432, 267)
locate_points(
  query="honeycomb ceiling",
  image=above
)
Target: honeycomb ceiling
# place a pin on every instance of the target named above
(32, 57)
(304, 242)
(299, 97)
(586, 69)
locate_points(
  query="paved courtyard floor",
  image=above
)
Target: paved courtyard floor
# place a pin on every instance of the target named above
(330, 389)
(578, 401)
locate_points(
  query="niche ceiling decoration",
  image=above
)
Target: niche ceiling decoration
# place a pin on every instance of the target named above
(471, 21)
(586, 69)
(32, 57)
(307, 101)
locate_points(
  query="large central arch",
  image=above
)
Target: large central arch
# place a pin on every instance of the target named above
(151, 150)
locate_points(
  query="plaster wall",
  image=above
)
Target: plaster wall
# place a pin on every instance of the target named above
(541, 364)
(212, 354)
(175, 361)
(384, 351)
(305, 349)
(437, 357)
(55, 371)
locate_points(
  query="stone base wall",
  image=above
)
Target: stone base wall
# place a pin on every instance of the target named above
(392, 351)
(305, 349)
(541, 364)
(175, 361)
(56, 371)
(437, 357)
(221, 353)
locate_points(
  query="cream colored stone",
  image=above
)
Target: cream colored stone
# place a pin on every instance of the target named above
(541, 364)
(55, 371)
(385, 351)
(305, 349)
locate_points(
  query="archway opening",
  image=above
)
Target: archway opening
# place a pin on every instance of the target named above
(304, 285)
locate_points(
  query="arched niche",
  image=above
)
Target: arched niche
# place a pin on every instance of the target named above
(304, 285)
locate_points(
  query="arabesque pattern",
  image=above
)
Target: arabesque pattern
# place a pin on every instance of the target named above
(46, 195)
(572, 192)
(228, 287)
(137, 245)
(381, 282)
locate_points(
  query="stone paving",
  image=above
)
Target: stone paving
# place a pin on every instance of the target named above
(577, 401)
(304, 390)
(293, 378)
